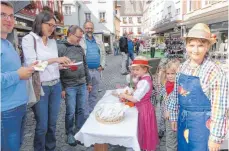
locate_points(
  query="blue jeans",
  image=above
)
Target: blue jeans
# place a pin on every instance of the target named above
(131, 55)
(115, 51)
(91, 100)
(46, 114)
(75, 104)
(12, 127)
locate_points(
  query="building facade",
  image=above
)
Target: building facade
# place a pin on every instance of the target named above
(131, 14)
(100, 12)
(166, 17)
(212, 13)
(117, 19)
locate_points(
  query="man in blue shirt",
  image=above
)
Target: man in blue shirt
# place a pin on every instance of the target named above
(130, 48)
(95, 57)
(13, 85)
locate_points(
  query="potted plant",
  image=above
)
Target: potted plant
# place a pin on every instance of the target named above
(102, 20)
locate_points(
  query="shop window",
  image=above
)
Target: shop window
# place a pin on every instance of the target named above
(67, 10)
(102, 17)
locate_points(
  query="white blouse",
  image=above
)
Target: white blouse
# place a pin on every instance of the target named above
(142, 88)
(43, 53)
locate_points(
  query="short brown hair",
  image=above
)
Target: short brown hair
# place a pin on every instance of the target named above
(88, 21)
(201, 40)
(72, 29)
(7, 4)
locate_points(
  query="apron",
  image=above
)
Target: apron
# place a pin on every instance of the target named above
(194, 115)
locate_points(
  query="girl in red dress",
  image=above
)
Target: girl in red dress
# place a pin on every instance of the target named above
(147, 124)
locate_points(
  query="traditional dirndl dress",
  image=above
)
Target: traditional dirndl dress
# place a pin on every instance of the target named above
(147, 123)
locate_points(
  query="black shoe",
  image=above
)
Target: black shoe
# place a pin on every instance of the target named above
(161, 134)
(125, 73)
(79, 143)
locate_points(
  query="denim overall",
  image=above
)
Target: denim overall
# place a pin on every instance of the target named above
(194, 111)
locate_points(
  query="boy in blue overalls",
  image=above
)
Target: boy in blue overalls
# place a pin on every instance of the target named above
(198, 108)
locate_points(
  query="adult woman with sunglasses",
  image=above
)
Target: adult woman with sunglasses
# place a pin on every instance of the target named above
(38, 46)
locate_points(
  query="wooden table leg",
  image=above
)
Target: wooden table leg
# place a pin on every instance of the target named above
(100, 147)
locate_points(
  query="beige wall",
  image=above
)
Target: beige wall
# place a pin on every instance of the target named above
(117, 27)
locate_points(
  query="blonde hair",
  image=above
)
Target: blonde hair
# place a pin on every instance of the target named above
(170, 65)
(202, 41)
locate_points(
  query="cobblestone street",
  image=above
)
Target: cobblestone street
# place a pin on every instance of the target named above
(111, 78)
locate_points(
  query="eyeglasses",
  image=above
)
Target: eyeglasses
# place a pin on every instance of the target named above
(89, 28)
(51, 25)
(5, 16)
(77, 36)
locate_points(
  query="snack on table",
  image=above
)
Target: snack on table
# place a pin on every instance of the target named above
(110, 113)
(129, 103)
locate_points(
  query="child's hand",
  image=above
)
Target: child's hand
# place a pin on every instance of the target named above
(174, 126)
(213, 146)
(166, 115)
(122, 96)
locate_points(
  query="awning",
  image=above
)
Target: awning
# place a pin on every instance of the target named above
(23, 27)
(19, 15)
(19, 5)
(104, 32)
(166, 26)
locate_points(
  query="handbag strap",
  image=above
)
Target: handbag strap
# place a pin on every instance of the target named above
(35, 45)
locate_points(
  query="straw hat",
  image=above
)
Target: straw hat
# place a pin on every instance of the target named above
(202, 31)
(140, 60)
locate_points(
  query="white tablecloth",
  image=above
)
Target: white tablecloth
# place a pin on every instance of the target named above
(123, 133)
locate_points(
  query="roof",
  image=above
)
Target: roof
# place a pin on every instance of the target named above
(131, 8)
